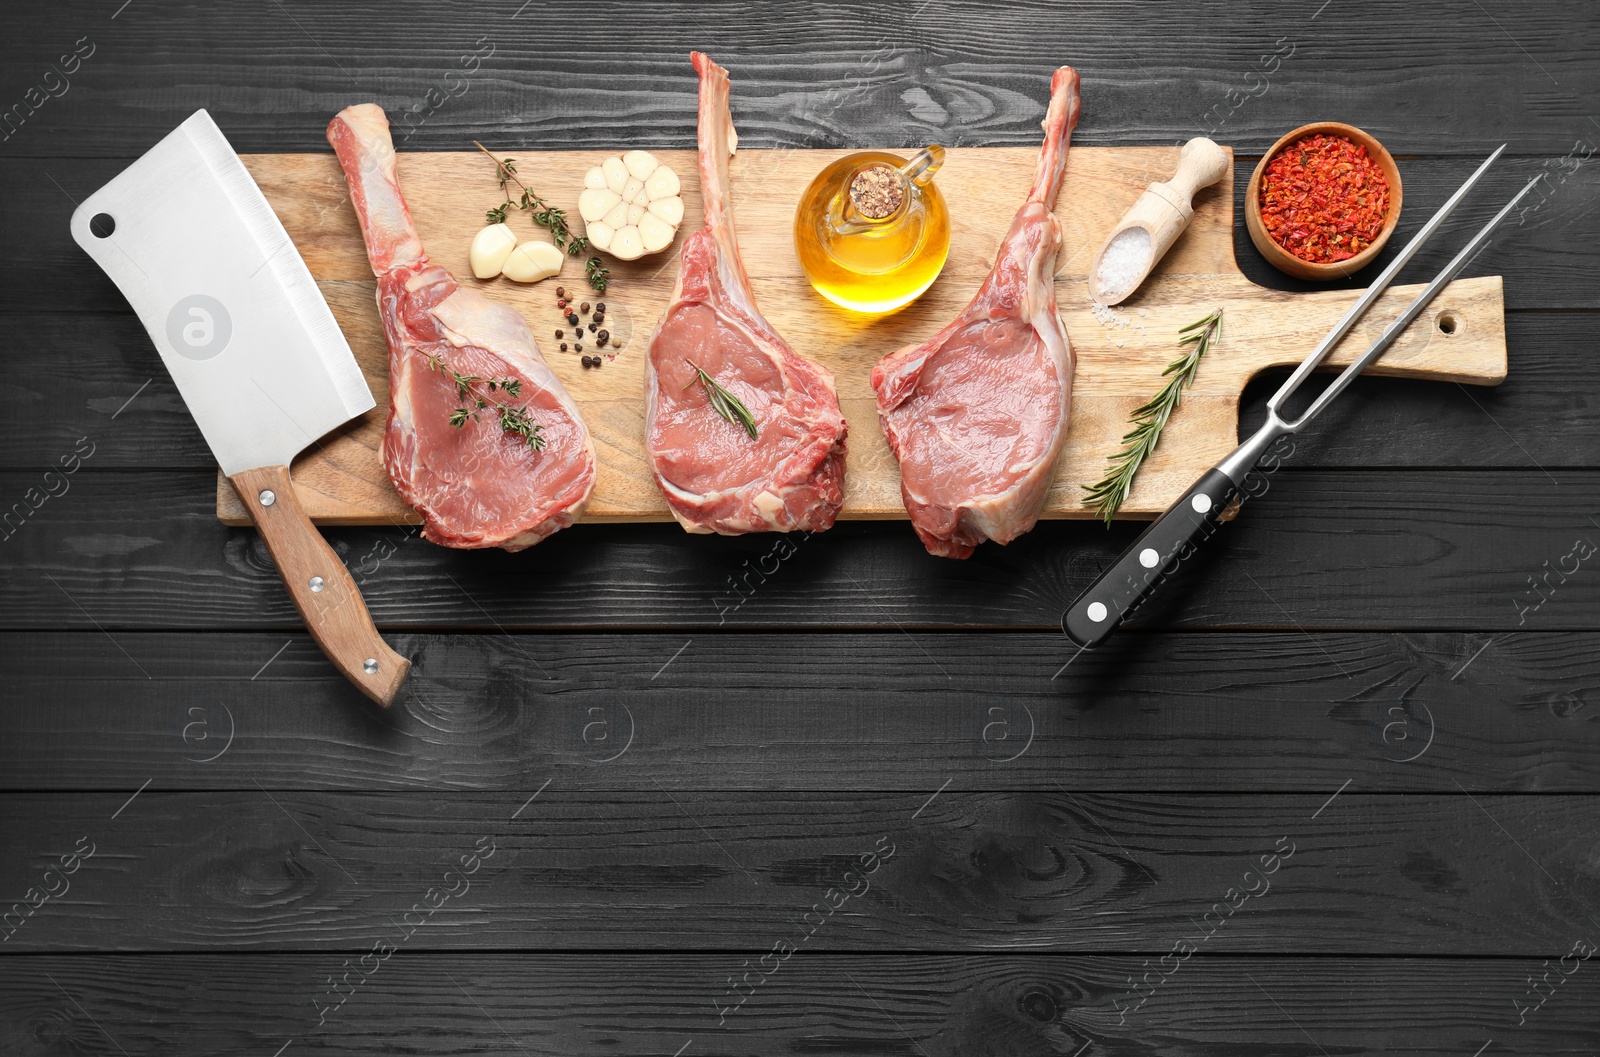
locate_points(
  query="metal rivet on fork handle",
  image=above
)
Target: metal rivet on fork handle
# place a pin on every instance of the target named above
(267, 497)
(370, 666)
(317, 583)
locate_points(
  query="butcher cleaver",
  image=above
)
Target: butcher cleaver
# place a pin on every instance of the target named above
(190, 240)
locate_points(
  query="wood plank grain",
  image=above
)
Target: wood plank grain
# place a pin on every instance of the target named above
(870, 1005)
(822, 711)
(658, 870)
(1322, 549)
(815, 75)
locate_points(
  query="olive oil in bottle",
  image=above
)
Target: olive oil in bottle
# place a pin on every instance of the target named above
(872, 231)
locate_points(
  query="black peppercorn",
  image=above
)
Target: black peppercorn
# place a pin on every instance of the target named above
(599, 317)
(577, 348)
(598, 361)
(584, 307)
(572, 318)
(603, 337)
(563, 346)
(560, 333)
(593, 328)
(600, 306)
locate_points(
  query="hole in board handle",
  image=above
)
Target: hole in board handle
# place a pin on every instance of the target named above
(1449, 323)
(102, 225)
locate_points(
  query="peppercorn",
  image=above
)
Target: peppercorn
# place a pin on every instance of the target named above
(591, 361)
(561, 302)
(584, 307)
(599, 317)
(600, 306)
(561, 291)
(563, 346)
(572, 317)
(603, 337)
(592, 328)
(577, 348)
(560, 333)
(598, 361)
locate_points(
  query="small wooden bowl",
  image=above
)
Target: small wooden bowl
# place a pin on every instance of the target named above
(1281, 258)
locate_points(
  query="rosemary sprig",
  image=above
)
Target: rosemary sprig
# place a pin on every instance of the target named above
(723, 402)
(514, 420)
(1149, 419)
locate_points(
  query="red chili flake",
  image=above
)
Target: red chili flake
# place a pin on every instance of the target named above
(1323, 198)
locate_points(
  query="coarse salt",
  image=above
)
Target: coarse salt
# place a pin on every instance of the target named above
(1107, 316)
(1124, 262)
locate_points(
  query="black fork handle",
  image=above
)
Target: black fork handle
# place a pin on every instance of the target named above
(1170, 539)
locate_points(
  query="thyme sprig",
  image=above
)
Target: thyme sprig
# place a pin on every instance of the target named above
(545, 215)
(1149, 419)
(599, 274)
(723, 402)
(476, 394)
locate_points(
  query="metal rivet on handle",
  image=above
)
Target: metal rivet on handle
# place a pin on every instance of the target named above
(1148, 557)
(370, 665)
(1096, 611)
(1201, 503)
(317, 583)
(267, 497)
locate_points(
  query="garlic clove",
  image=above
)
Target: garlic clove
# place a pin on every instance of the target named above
(490, 248)
(599, 234)
(668, 209)
(630, 191)
(635, 214)
(617, 216)
(533, 261)
(596, 202)
(627, 245)
(655, 233)
(595, 177)
(663, 183)
(616, 174)
(640, 163)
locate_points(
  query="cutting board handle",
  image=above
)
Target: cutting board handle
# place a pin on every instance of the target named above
(320, 585)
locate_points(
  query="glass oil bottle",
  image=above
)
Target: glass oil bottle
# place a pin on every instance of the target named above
(872, 231)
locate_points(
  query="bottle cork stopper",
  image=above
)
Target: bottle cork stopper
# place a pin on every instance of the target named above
(877, 192)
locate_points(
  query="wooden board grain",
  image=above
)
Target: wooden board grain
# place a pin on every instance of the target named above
(1391, 549)
(341, 481)
(739, 710)
(994, 871)
(601, 1004)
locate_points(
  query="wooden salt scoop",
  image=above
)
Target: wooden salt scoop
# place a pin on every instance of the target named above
(1163, 211)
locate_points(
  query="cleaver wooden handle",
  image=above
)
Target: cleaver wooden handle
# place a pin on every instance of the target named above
(320, 585)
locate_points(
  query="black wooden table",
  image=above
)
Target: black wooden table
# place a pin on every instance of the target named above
(1335, 795)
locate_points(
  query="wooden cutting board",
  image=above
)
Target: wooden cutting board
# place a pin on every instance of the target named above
(341, 481)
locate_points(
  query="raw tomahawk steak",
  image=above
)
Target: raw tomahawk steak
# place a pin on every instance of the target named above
(716, 477)
(977, 413)
(476, 484)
